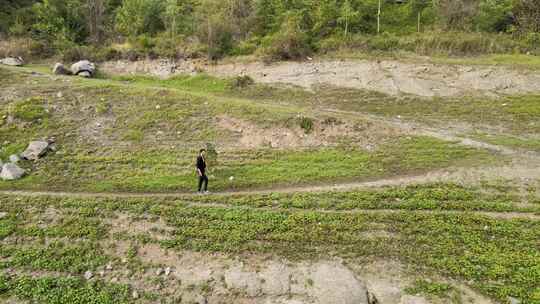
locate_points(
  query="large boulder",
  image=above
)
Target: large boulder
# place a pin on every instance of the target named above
(35, 150)
(12, 61)
(60, 69)
(11, 172)
(83, 68)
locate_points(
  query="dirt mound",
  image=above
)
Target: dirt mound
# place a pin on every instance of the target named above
(389, 76)
(322, 134)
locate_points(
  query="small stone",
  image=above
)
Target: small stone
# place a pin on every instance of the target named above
(102, 273)
(11, 172)
(59, 95)
(158, 107)
(124, 260)
(109, 266)
(513, 300)
(231, 178)
(135, 294)
(3, 215)
(12, 61)
(14, 158)
(168, 271)
(60, 69)
(114, 280)
(159, 271)
(88, 275)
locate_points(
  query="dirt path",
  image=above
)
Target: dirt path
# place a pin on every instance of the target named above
(468, 176)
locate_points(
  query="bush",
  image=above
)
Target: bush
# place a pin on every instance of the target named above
(289, 43)
(384, 42)
(76, 53)
(25, 48)
(244, 48)
(306, 124)
(240, 82)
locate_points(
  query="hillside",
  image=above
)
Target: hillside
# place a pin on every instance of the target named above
(323, 192)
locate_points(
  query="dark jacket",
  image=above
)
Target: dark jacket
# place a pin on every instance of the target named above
(201, 164)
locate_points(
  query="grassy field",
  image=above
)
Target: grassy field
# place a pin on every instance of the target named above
(137, 134)
(141, 134)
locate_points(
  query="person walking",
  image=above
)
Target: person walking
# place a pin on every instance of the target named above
(201, 171)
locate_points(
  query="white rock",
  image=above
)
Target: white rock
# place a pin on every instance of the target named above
(12, 61)
(3, 215)
(85, 74)
(231, 178)
(109, 266)
(88, 275)
(11, 172)
(159, 271)
(168, 271)
(83, 68)
(35, 150)
(513, 300)
(135, 294)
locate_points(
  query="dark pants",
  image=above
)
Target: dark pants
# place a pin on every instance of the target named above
(203, 179)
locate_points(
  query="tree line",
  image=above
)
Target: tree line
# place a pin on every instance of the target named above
(286, 28)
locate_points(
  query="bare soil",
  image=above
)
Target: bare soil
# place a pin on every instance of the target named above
(388, 76)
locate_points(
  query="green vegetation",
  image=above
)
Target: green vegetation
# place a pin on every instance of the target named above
(418, 197)
(429, 288)
(510, 141)
(496, 256)
(63, 290)
(169, 170)
(78, 29)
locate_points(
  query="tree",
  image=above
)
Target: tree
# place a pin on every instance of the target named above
(96, 11)
(60, 21)
(137, 17)
(457, 14)
(417, 7)
(347, 14)
(527, 14)
(494, 15)
(178, 16)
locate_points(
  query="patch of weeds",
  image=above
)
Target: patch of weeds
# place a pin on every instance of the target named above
(241, 82)
(424, 287)
(134, 135)
(530, 144)
(57, 256)
(306, 124)
(102, 107)
(58, 290)
(31, 110)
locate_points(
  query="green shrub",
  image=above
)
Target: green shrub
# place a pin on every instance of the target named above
(384, 42)
(240, 82)
(75, 53)
(244, 48)
(289, 43)
(306, 124)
